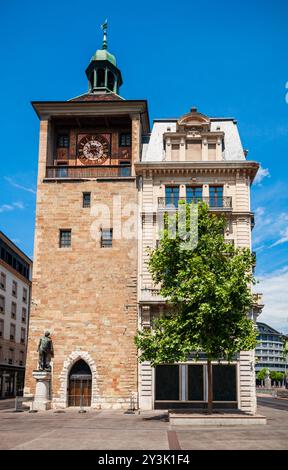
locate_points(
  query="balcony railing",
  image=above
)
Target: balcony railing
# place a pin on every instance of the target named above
(95, 171)
(150, 295)
(214, 203)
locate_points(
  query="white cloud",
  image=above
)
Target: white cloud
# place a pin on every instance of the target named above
(19, 205)
(12, 206)
(261, 174)
(283, 239)
(19, 186)
(275, 297)
(270, 229)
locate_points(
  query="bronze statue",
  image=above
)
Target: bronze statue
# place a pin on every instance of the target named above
(46, 352)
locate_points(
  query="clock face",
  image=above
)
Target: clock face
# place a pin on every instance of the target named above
(93, 149)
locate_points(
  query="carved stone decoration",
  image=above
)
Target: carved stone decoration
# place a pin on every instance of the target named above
(145, 320)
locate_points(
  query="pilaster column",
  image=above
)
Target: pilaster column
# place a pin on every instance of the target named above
(136, 140)
(204, 150)
(94, 79)
(205, 190)
(43, 148)
(145, 316)
(168, 149)
(219, 149)
(182, 150)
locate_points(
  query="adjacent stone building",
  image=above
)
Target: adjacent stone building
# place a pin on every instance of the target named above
(194, 158)
(15, 286)
(102, 179)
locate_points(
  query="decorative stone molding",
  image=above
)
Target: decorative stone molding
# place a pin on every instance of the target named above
(145, 318)
(62, 400)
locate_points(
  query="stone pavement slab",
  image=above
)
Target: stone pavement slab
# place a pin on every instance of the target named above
(107, 430)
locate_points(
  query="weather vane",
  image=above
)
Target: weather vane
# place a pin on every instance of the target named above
(104, 27)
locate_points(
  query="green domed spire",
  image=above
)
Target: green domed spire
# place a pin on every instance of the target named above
(102, 72)
(103, 54)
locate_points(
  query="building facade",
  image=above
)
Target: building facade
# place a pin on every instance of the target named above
(194, 158)
(270, 349)
(102, 179)
(15, 286)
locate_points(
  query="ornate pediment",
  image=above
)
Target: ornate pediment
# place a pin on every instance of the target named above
(193, 121)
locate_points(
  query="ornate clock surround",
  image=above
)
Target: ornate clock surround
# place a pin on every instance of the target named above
(93, 148)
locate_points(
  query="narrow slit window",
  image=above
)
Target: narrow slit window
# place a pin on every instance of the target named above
(125, 139)
(86, 200)
(65, 238)
(106, 238)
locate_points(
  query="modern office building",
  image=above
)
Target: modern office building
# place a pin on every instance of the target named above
(15, 286)
(102, 178)
(269, 350)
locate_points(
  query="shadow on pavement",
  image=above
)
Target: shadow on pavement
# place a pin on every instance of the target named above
(163, 417)
(273, 403)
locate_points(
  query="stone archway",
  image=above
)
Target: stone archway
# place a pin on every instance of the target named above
(62, 400)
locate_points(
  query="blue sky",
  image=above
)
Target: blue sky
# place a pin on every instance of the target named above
(227, 58)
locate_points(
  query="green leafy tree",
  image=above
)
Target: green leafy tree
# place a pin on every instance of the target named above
(261, 374)
(208, 290)
(277, 376)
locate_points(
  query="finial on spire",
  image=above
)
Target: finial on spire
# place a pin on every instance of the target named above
(104, 27)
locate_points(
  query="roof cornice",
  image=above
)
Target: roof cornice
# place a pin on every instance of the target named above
(48, 109)
(163, 167)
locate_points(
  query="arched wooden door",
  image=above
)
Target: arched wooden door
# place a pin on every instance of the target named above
(80, 381)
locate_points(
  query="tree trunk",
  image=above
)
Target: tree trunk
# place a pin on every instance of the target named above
(210, 388)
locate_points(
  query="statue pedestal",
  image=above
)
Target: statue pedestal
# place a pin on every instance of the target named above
(42, 400)
(267, 382)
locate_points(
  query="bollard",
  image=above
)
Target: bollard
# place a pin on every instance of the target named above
(32, 408)
(16, 409)
(81, 405)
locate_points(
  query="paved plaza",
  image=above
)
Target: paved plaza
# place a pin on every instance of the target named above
(146, 431)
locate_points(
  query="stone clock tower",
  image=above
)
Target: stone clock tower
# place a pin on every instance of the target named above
(85, 269)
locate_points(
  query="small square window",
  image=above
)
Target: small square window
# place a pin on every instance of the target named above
(14, 288)
(106, 238)
(13, 310)
(3, 281)
(21, 358)
(23, 334)
(24, 296)
(125, 140)
(63, 141)
(2, 304)
(86, 199)
(11, 356)
(65, 238)
(24, 314)
(12, 332)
